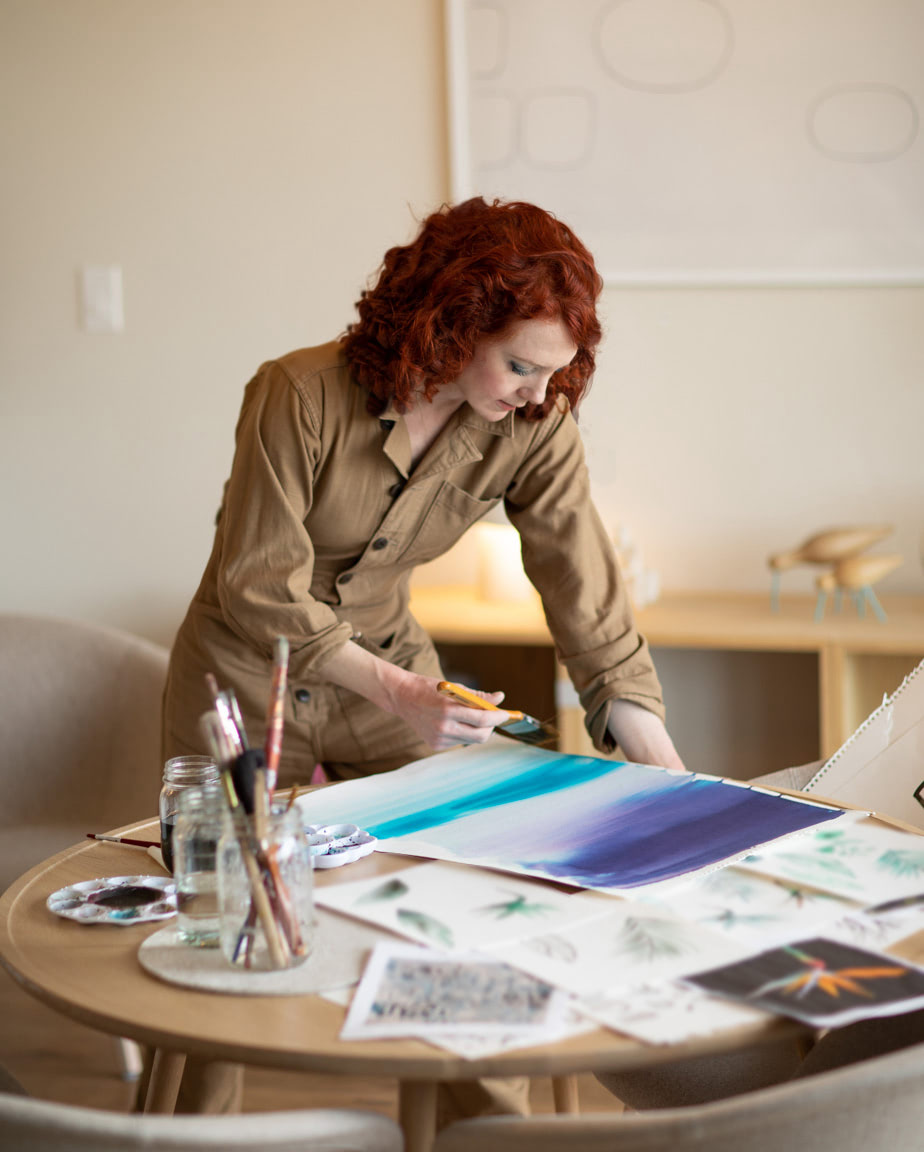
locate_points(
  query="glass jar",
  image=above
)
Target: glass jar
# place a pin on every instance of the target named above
(181, 772)
(266, 894)
(199, 825)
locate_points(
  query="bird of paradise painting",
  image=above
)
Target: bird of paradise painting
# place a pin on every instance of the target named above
(822, 982)
(582, 820)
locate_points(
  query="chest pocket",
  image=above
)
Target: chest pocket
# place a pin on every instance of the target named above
(445, 521)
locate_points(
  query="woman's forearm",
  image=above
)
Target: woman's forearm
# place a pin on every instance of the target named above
(441, 722)
(642, 735)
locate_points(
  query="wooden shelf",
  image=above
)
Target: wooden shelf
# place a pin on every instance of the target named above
(858, 658)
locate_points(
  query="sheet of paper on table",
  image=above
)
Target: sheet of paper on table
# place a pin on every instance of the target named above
(862, 861)
(406, 990)
(582, 820)
(453, 906)
(824, 983)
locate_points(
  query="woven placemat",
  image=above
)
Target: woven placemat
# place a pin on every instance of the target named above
(337, 958)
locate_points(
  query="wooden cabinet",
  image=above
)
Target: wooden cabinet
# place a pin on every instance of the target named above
(748, 690)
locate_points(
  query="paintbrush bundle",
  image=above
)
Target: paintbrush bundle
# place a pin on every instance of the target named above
(247, 783)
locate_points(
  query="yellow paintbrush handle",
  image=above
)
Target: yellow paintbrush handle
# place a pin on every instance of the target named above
(457, 692)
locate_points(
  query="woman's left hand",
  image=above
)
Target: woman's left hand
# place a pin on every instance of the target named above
(642, 735)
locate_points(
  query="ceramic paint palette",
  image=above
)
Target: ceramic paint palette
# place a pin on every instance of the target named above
(116, 900)
(335, 844)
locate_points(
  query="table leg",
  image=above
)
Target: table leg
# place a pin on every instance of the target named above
(565, 1094)
(166, 1074)
(417, 1114)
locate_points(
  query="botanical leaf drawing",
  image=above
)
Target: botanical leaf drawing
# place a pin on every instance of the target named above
(836, 842)
(863, 928)
(426, 925)
(800, 896)
(812, 865)
(729, 919)
(390, 890)
(731, 885)
(649, 939)
(518, 905)
(902, 862)
(554, 946)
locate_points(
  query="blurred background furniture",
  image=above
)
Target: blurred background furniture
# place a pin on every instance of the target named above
(748, 690)
(80, 716)
(46, 1126)
(873, 1104)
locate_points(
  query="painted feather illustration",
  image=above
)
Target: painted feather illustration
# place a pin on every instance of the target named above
(648, 939)
(729, 919)
(390, 890)
(516, 906)
(808, 865)
(730, 885)
(426, 925)
(554, 946)
(902, 862)
(796, 894)
(837, 842)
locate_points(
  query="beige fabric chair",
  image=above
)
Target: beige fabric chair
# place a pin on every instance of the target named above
(80, 724)
(870, 1106)
(80, 728)
(43, 1126)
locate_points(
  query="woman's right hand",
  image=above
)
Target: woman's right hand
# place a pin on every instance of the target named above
(439, 721)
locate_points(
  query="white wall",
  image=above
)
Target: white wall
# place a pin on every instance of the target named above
(247, 164)
(745, 420)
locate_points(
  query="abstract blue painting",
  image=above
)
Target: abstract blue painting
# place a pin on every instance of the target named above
(582, 820)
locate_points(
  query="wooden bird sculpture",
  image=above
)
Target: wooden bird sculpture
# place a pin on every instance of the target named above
(856, 575)
(830, 547)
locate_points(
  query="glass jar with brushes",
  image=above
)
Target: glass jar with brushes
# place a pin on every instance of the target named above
(265, 890)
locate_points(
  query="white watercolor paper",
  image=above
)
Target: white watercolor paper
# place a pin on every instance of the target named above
(862, 861)
(411, 991)
(880, 926)
(451, 906)
(582, 820)
(755, 910)
(477, 1046)
(668, 1012)
(629, 944)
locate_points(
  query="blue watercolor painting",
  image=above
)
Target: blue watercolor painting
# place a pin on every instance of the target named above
(580, 819)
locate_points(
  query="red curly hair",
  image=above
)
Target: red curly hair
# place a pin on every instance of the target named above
(472, 270)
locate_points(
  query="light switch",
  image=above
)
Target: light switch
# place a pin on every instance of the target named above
(101, 306)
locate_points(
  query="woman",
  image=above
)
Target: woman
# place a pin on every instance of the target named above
(356, 461)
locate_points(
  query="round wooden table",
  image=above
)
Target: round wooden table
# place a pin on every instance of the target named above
(92, 974)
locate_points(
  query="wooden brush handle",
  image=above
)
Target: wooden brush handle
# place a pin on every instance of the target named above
(457, 692)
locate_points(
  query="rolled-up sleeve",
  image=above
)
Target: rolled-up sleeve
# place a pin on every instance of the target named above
(572, 562)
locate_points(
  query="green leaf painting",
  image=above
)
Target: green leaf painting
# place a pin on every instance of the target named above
(390, 890)
(426, 925)
(517, 905)
(649, 938)
(902, 862)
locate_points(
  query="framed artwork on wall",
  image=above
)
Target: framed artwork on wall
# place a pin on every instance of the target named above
(701, 141)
